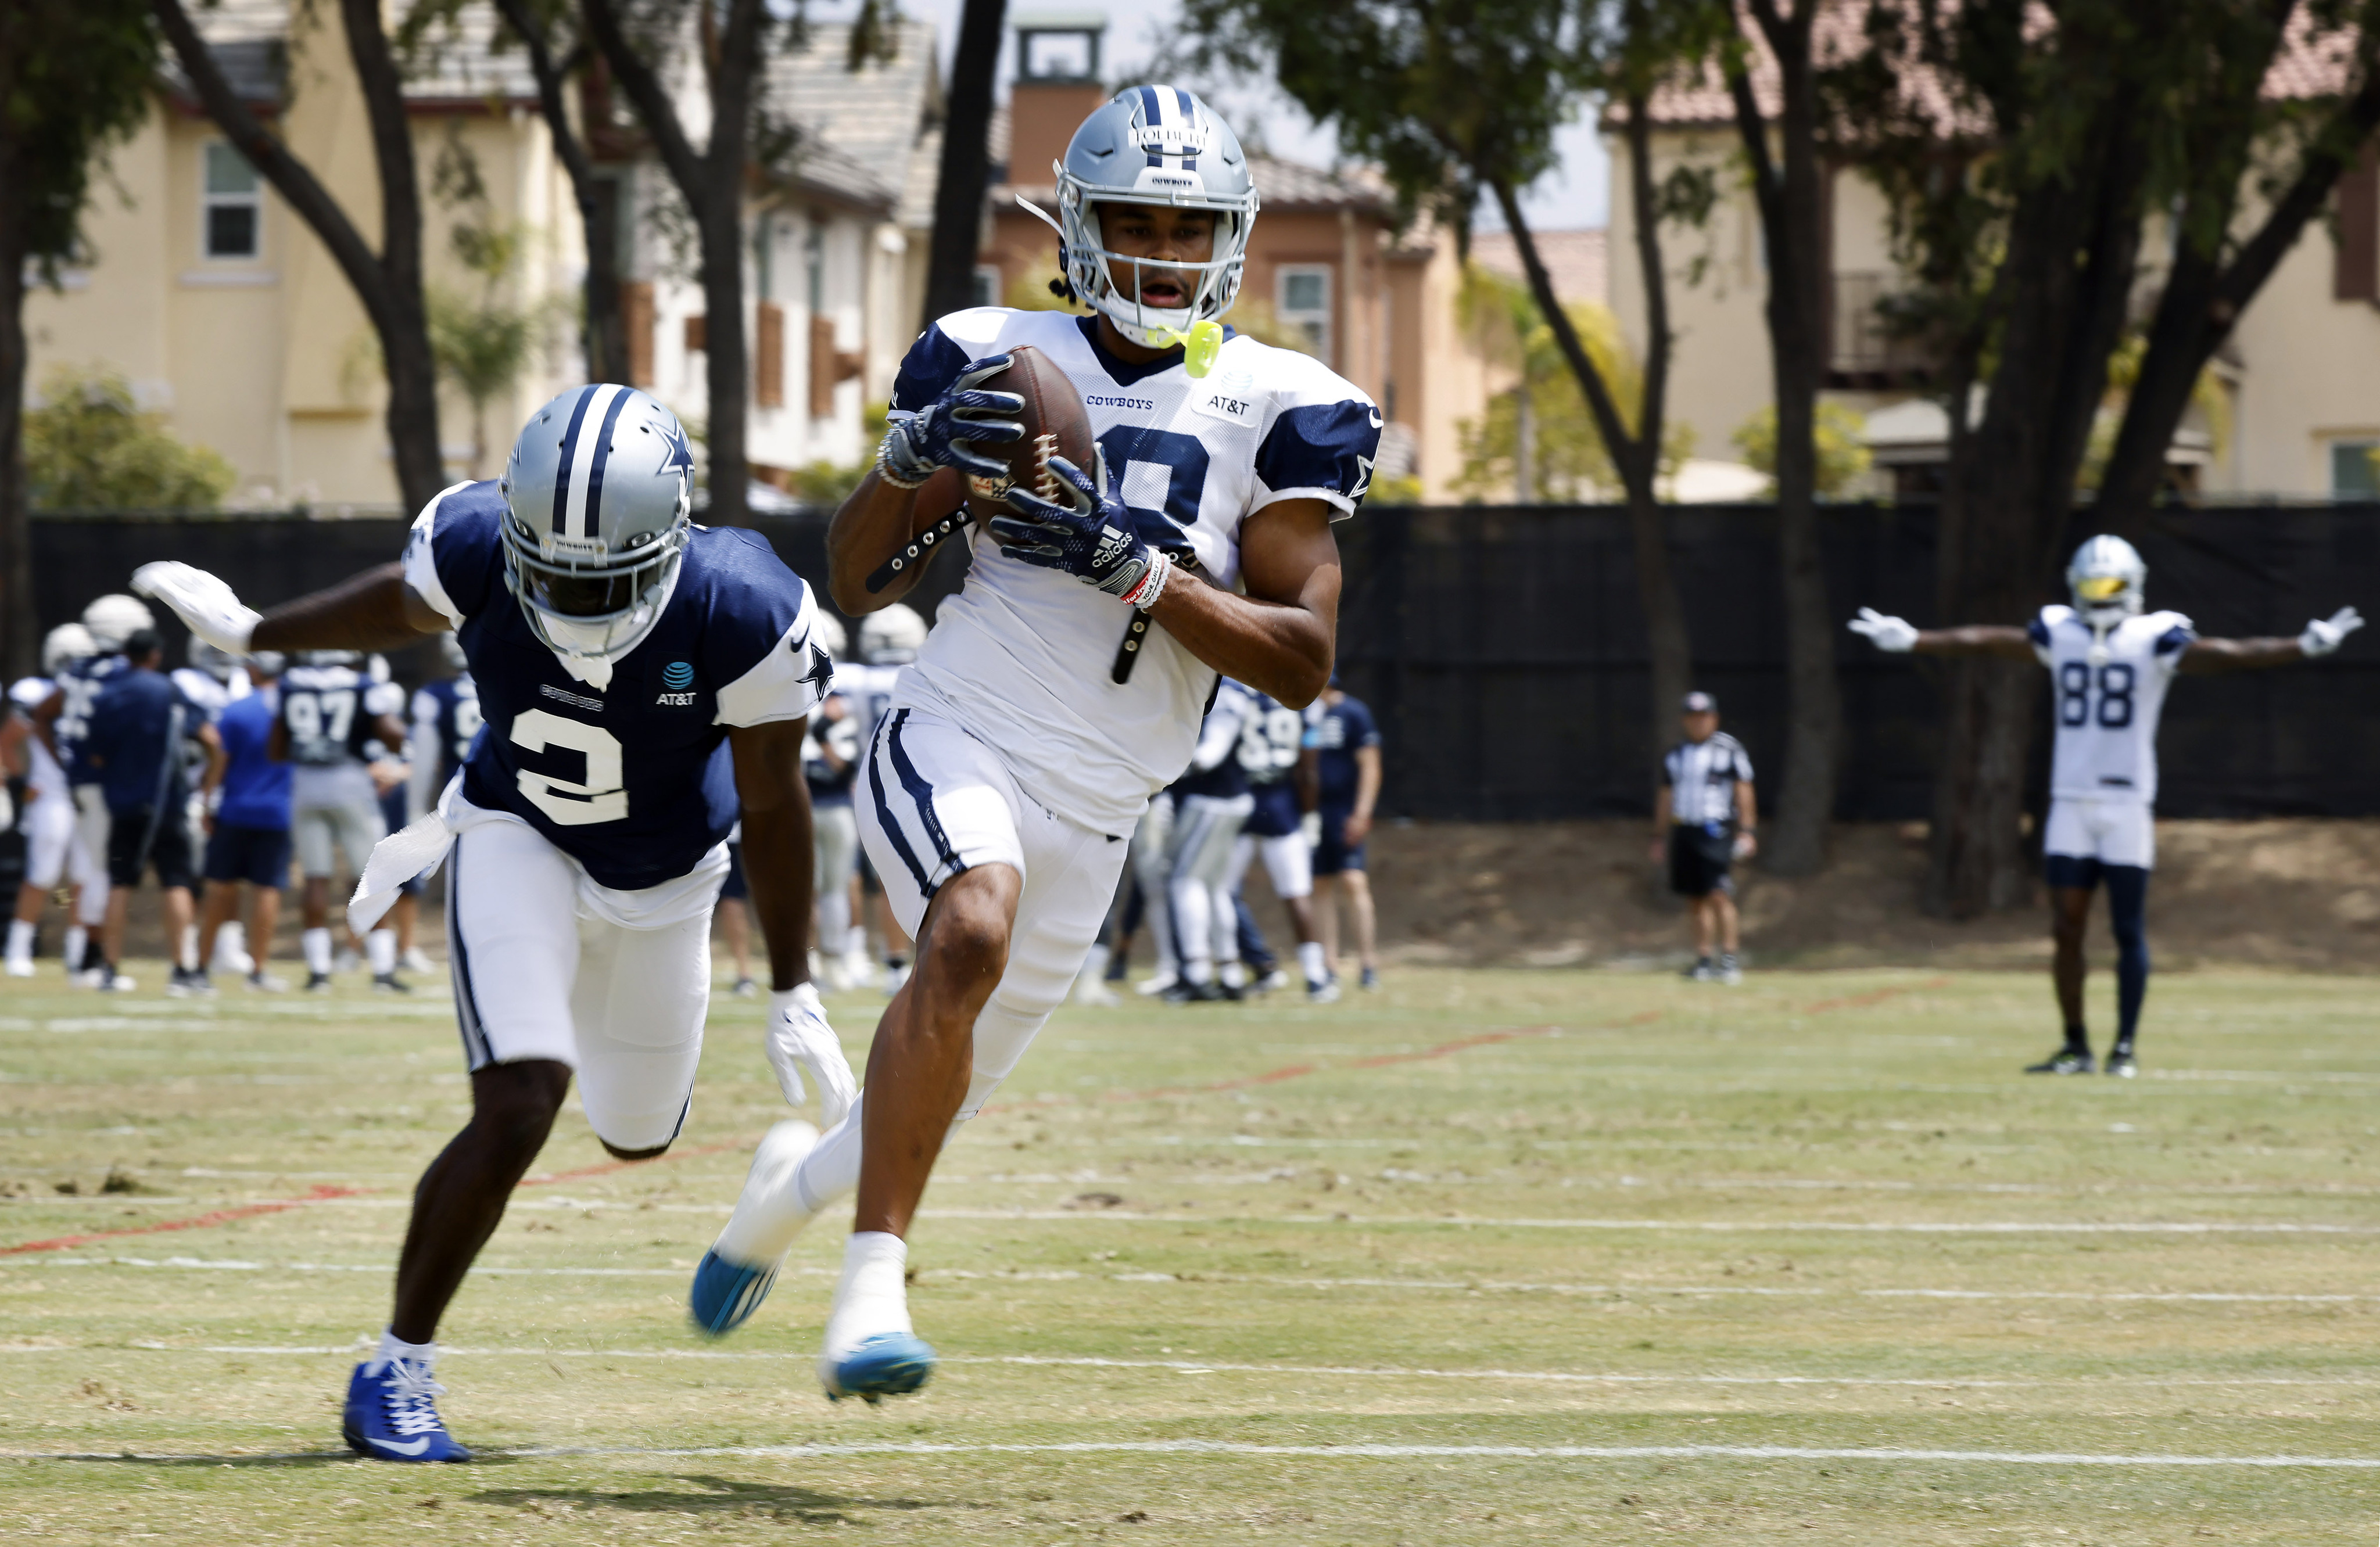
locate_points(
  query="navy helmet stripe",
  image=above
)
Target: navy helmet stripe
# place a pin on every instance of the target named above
(594, 518)
(891, 827)
(923, 793)
(562, 463)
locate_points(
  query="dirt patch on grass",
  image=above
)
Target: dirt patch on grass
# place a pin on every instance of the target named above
(2293, 893)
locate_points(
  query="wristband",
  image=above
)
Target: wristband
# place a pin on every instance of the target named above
(1151, 583)
(884, 468)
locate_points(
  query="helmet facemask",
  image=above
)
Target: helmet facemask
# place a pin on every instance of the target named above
(1110, 282)
(583, 603)
(2107, 580)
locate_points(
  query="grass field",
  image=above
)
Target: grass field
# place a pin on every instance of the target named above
(1489, 1256)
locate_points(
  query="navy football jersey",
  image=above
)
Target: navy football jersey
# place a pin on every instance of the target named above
(1216, 770)
(1273, 737)
(621, 778)
(81, 684)
(329, 712)
(445, 722)
(830, 784)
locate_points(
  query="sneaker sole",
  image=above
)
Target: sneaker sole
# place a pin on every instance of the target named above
(892, 1365)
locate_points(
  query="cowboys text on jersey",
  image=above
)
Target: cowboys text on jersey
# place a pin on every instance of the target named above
(1193, 457)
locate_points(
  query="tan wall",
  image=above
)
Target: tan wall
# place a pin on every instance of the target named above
(2311, 375)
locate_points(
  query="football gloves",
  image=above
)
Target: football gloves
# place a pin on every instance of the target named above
(1092, 535)
(1897, 635)
(799, 1039)
(943, 433)
(2325, 635)
(210, 608)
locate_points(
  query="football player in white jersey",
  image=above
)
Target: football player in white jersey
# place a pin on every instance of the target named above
(2110, 664)
(996, 798)
(54, 845)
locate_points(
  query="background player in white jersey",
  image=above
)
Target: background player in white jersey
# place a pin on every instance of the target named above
(53, 846)
(2110, 664)
(997, 796)
(1280, 780)
(615, 647)
(63, 721)
(1211, 804)
(1704, 818)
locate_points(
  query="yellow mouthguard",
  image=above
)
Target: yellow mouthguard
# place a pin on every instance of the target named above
(2099, 588)
(1200, 346)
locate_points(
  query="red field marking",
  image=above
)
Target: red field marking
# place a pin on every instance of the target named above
(611, 1165)
(1861, 1001)
(220, 1216)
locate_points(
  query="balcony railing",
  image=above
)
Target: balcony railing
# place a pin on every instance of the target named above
(1864, 351)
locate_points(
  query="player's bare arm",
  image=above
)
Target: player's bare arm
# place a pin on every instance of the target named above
(1280, 638)
(2320, 636)
(1899, 637)
(776, 802)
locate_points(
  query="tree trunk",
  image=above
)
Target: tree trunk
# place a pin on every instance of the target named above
(606, 337)
(20, 639)
(1790, 192)
(387, 283)
(958, 194)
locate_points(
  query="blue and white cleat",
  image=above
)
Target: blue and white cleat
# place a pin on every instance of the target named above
(740, 1268)
(726, 1292)
(889, 1364)
(392, 1414)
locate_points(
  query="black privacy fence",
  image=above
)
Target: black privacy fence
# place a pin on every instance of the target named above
(1503, 650)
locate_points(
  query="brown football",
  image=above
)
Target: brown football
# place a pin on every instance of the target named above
(1055, 425)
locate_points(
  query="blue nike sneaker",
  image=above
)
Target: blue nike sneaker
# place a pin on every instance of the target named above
(889, 1364)
(726, 1292)
(392, 1415)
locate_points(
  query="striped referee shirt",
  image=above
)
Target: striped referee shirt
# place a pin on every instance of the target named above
(1702, 777)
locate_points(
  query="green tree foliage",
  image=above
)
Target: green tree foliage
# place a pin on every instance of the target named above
(1840, 437)
(89, 447)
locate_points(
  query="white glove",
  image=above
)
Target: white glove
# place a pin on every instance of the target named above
(2325, 635)
(800, 1039)
(1897, 635)
(214, 613)
(1309, 826)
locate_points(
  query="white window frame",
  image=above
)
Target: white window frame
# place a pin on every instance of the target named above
(1313, 322)
(2331, 448)
(210, 202)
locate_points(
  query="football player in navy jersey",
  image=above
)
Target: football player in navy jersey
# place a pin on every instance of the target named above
(1064, 683)
(615, 647)
(1211, 806)
(1281, 781)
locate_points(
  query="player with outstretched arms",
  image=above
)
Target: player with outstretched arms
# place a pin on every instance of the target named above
(2110, 663)
(615, 647)
(996, 798)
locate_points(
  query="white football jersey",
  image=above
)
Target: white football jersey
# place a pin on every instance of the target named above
(1021, 655)
(2106, 710)
(869, 688)
(43, 775)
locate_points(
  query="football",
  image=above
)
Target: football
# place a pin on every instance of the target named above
(1055, 425)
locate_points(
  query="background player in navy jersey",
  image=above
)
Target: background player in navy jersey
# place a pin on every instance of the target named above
(2111, 664)
(61, 722)
(1212, 804)
(331, 712)
(996, 797)
(830, 763)
(615, 647)
(1346, 745)
(134, 750)
(1281, 778)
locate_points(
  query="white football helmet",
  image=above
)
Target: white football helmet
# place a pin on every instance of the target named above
(115, 618)
(1154, 145)
(600, 493)
(2107, 581)
(63, 644)
(203, 657)
(892, 636)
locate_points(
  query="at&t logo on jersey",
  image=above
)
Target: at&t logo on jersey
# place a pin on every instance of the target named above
(677, 679)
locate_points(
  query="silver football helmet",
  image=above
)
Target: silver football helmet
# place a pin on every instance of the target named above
(2107, 581)
(63, 644)
(115, 618)
(601, 490)
(213, 661)
(892, 636)
(263, 665)
(1154, 145)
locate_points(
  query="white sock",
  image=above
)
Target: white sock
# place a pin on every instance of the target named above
(77, 940)
(1094, 973)
(392, 1346)
(316, 943)
(21, 941)
(873, 1297)
(187, 957)
(90, 908)
(831, 1170)
(1309, 960)
(1234, 974)
(1198, 968)
(381, 946)
(771, 1211)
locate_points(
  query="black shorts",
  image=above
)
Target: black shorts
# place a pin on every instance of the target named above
(167, 851)
(1699, 861)
(257, 855)
(1332, 853)
(733, 889)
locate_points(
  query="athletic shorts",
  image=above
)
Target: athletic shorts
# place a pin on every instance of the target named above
(1699, 860)
(258, 856)
(334, 809)
(2089, 828)
(537, 976)
(53, 846)
(142, 839)
(733, 889)
(1332, 853)
(1289, 862)
(93, 822)
(932, 802)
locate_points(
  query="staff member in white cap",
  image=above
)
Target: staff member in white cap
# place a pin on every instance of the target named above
(1703, 823)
